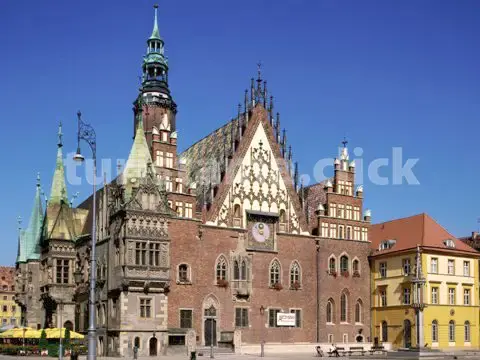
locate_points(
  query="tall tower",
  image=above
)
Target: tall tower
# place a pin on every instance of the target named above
(154, 104)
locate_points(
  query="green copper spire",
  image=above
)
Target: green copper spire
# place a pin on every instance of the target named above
(33, 232)
(155, 33)
(58, 192)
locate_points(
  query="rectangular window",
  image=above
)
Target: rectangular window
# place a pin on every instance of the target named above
(145, 308)
(332, 210)
(451, 267)
(141, 253)
(356, 213)
(14, 308)
(179, 186)
(62, 271)
(341, 210)
(159, 158)
(169, 160)
(383, 269)
(364, 234)
(406, 266)
(188, 210)
(466, 296)
(348, 212)
(168, 183)
(451, 296)
(186, 319)
(383, 297)
(356, 233)
(241, 317)
(179, 208)
(154, 256)
(333, 231)
(345, 338)
(406, 296)
(434, 299)
(325, 230)
(272, 317)
(330, 338)
(13, 321)
(348, 234)
(434, 265)
(298, 317)
(466, 268)
(4, 308)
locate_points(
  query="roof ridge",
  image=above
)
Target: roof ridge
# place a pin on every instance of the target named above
(397, 219)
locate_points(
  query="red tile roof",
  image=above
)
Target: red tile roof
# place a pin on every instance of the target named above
(412, 231)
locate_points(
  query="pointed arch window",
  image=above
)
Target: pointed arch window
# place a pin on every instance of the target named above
(237, 215)
(221, 269)
(295, 275)
(356, 266)
(343, 308)
(243, 270)
(274, 273)
(358, 311)
(332, 265)
(434, 331)
(344, 264)
(236, 270)
(330, 311)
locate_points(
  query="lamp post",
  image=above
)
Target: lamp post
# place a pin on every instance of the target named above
(211, 341)
(60, 347)
(262, 344)
(87, 133)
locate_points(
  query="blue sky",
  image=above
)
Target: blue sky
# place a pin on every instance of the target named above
(382, 73)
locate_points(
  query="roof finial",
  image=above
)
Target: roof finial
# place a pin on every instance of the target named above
(155, 32)
(38, 179)
(344, 142)
(259, 70)
(60, 135)
(19, 222)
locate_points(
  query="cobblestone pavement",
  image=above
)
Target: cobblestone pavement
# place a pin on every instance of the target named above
(392, 355)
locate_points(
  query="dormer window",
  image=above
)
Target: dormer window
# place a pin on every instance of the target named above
(387, 244)
(449, 243)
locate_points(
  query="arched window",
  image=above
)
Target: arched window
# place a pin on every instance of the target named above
(183, 273)
(358, 311)
(451, 331)
(274, 273)
(344, 264)
(467, 331)
(295, 279)
(384, 331)
(343, 307)
(356, 266)
(330, 311)
(332, 265)
(237, 215)
(236, 270)
(221, 269)
(282, 221)
(243, 271)
(434, 331)
(136, 342)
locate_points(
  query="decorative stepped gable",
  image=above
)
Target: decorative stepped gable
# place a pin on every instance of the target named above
(61, 221)
(218, 162)
(33, 233)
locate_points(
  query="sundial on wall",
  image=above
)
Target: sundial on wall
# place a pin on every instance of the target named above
(261, 230)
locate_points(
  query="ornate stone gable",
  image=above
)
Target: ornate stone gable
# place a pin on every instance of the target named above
(258, 185)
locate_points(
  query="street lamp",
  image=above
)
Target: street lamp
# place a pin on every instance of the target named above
(86, 133)
(60, 347)
(262, 344)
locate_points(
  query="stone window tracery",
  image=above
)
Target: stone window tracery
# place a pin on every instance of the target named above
(274, 273)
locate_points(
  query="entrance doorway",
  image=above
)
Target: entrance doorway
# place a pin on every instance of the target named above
(210, 332)
(153, 346)
(407, 333)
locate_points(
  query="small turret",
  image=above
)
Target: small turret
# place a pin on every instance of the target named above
(329, 186)
(367, 215)
(351, 167)
(359, 191)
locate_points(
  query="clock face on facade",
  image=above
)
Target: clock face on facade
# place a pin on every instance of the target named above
(260, 232)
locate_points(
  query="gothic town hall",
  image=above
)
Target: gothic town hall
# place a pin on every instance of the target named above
(219, 244)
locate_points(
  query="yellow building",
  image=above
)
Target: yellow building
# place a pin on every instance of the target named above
(424, 286)
(10, 312)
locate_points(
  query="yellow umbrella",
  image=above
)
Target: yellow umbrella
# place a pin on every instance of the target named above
(29, 334)
(55, 334)
(13, 333)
